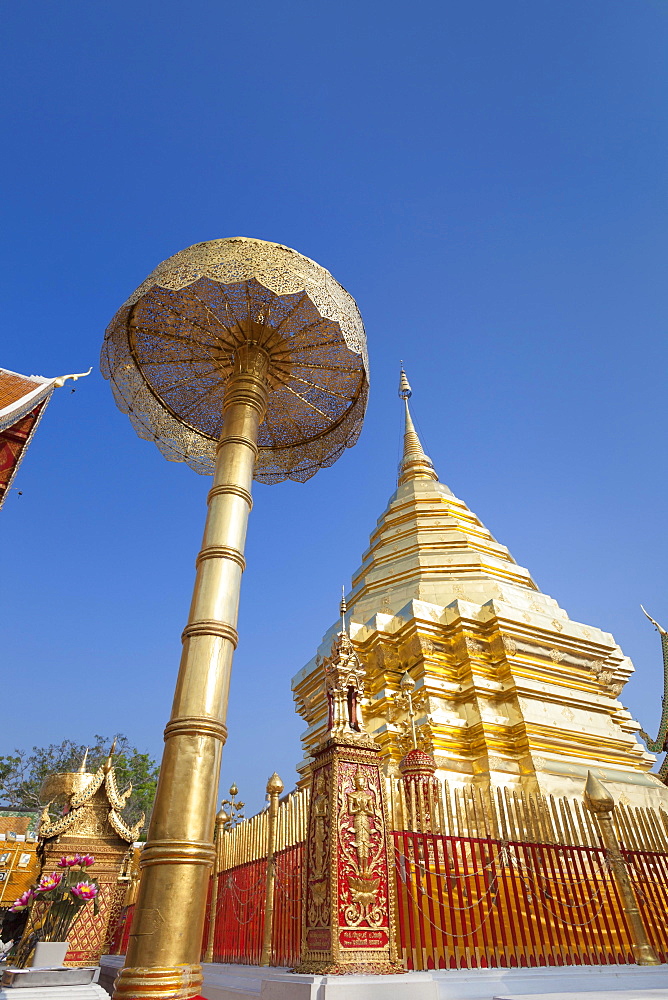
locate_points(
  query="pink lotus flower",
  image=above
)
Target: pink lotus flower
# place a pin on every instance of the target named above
(22, 902)
(85, 890)
(49, 882)
(87, 860)
(69, 862)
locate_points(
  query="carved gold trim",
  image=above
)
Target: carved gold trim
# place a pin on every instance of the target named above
(209, 627)
(231, 488)
(218, 552)
(196, 725)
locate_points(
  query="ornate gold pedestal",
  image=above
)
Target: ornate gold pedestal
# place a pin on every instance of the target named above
(349, 896)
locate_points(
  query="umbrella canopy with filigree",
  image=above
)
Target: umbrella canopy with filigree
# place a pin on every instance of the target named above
(245, 360)
(169, 353)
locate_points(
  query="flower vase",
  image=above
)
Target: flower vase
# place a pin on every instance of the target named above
(49, 954)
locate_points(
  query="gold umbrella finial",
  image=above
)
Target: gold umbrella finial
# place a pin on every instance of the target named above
(407, 685)
(343, 607)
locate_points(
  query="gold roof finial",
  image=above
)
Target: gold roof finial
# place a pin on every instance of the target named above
(415, 464)
(60, 382)
(82, 768)
(343, 607)
(112, 751)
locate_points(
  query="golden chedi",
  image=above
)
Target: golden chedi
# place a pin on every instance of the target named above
(508, 689)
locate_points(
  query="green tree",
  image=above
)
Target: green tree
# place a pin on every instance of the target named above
(22, 773)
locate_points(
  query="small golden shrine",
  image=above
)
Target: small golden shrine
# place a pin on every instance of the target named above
(91, 823)
(507, 690)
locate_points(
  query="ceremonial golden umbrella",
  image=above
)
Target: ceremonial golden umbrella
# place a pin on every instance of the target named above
(246, 360)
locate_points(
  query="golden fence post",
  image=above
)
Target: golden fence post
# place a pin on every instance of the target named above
(600, 802)
(221, 820)
(274, 789)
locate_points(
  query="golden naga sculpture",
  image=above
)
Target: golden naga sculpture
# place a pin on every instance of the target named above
(248, 361)
(660, 744)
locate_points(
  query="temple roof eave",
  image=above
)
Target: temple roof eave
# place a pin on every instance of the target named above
(37, 388)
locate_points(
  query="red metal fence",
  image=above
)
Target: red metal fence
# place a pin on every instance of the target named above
(461, 902)
(240, 911)
(465, 902)
(649, 874)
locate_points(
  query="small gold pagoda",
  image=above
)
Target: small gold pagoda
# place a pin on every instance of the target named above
(508, 689)
(91, 823)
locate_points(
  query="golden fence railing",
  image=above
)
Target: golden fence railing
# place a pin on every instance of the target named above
(248, 840)
(485, 877)
(519, 815)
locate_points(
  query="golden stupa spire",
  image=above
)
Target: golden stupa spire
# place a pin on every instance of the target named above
(415, 464)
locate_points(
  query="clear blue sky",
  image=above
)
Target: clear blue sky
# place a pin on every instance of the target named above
(487, 179)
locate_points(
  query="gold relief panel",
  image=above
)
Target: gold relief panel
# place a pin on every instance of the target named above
(349, 893)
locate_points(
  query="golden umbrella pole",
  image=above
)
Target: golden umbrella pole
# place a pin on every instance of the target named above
(163, 956)
(246, 360)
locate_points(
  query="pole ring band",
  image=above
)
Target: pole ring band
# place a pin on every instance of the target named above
(204, 628)
(237, 439)
(170, 983)
(196, 725)
(224, 488)
(221, 552)
(178, 852)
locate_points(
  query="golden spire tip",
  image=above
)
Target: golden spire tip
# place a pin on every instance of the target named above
(415, 464)
(405, 390)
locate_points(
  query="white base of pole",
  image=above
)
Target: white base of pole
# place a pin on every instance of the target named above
(572, 982)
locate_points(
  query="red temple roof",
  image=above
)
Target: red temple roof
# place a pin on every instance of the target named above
(23, 399)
